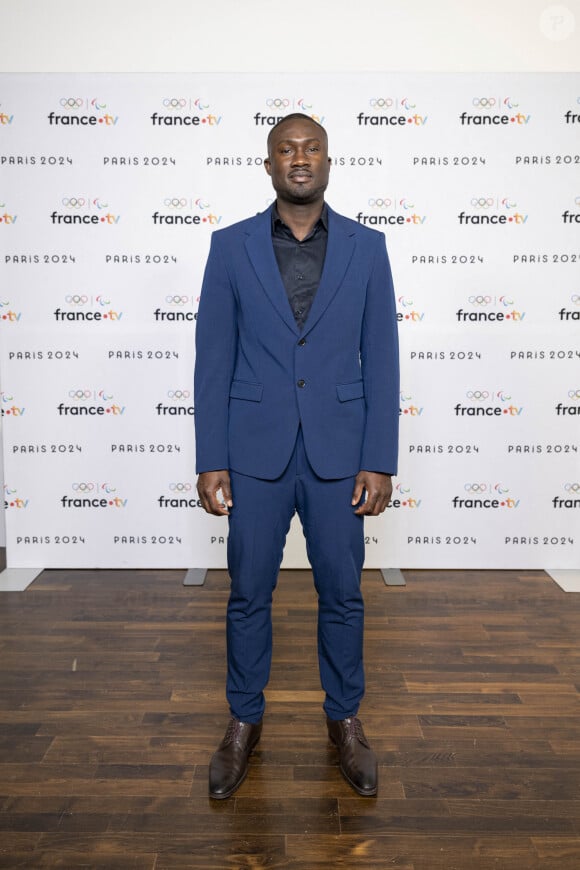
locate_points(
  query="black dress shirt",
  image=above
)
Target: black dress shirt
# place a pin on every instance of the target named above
(300, 263)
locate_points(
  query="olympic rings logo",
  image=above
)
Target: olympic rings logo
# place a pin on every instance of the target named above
(80, 394)
(174, 103)
(572, 487)
(73, 201)
(77, 299)
(177, 300)
(483, 102)
(480, 300)
(575, 299)
(277, 102)
(475, 487)
(175, 202)
(83, 487)
(577, 200)
(574, 394)
(381, 102)
(180, 487)
(482, 201)
(178, 394)
(385, 202)
(71, 102)
(477, 395)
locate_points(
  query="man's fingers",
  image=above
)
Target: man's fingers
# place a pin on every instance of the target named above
(208, 485)
(357, 493)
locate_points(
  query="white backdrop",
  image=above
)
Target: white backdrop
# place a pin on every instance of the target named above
(105, 225)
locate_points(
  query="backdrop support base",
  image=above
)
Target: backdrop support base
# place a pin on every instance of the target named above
(567, 579)
(393, 576)
(195, 577)
(18, 579)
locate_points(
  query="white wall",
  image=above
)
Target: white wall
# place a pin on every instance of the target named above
(303, 35)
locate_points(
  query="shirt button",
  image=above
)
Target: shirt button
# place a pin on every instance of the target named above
(301, 383)
(302, 342)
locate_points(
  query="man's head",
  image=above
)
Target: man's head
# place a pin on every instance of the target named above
(298, 161)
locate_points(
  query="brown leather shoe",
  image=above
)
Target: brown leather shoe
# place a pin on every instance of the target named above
(358, 763)
(229, 764)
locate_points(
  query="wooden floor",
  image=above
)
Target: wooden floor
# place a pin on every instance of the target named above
(111, 702)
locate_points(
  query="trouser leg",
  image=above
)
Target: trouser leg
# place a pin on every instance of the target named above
(335, 546)
(258, 525)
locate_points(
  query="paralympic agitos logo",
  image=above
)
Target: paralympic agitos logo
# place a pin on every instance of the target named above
(82, 112)
(494, 112)
(393, 112)
(84, 211)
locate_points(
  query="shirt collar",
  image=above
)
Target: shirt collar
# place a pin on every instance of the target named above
(323, 219)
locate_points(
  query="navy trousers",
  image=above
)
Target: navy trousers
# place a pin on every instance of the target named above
(258, 525)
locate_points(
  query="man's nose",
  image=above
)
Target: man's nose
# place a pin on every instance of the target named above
(300, 157)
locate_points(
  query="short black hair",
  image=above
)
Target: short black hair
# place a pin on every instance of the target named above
(291, 117)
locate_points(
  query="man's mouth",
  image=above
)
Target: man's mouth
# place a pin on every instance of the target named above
(300, 175)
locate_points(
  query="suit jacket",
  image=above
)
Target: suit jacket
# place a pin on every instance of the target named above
(257, 377)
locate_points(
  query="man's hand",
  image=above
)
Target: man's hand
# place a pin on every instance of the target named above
(208, 483)
(379, 489)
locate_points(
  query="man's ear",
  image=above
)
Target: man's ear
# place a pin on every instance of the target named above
(268, 166)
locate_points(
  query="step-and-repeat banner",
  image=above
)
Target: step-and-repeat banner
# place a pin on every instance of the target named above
(111, 186)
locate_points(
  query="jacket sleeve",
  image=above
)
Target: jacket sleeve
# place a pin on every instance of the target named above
(216, 344)
(380, 368)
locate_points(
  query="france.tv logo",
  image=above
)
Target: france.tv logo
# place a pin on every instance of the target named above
(84, 210)
(90, 403)
(14, 501)
(404, 498)
(494, 112)
(190, 211)
(570, 499)
(391, 211)
(92, 495)
(83, 307)
(490, 309)
(495, 210)
(82, 112)
(486, 403)
(7, 313)
(185, 112)
(485, 495)
(408, 312)
(391, 112)
(8, 407)
(277, 107)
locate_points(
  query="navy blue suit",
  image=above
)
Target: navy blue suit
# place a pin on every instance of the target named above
(295, 415)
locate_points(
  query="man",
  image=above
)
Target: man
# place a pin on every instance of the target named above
(296, 408)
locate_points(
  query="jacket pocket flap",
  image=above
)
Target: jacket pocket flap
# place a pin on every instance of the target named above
(246, 390)
(355, 390)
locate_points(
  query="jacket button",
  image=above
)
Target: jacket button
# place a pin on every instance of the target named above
(302, 342)
(301, 383)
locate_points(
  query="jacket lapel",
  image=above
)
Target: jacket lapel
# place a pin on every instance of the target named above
(339, 251)
(261, 253)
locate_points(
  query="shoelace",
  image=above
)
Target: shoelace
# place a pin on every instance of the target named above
(353, 728)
